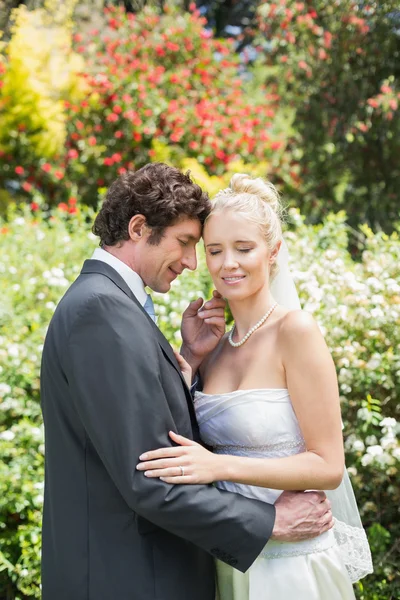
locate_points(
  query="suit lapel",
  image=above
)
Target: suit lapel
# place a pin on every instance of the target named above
(97, 266)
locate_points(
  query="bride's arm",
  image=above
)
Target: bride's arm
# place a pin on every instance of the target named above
(312, 385)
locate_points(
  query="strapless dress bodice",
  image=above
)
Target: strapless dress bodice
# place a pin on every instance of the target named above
(258, 423)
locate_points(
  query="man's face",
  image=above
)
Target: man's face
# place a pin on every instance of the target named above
(158, 265)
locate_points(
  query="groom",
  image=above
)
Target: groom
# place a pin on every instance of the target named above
(111, 389)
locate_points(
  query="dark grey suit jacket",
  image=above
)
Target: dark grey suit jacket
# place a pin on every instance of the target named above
(111, 388)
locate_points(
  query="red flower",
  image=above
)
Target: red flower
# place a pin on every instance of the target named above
(27, 186)
(328, 39)
(137, 136)
(19, 170)
(373, 102)
(117, 109)
(112, 118)
(108, 161)
(72, 210)
(34, 206)
(72, 153)
(118, 134)
(117, 157)
(58, 174)
(92, 140)
(46, 167)
(63, 207)
(72, 200)
(303, 65)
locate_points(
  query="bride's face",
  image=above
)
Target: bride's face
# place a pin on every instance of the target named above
(237, 255)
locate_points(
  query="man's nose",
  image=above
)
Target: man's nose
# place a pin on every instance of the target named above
(189, 261)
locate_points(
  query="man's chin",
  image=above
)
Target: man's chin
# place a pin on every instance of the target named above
(162, 288)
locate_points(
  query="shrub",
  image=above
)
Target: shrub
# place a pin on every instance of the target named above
(150, 79)
(336, 65)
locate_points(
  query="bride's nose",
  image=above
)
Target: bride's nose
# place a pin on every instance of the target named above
(230, 262)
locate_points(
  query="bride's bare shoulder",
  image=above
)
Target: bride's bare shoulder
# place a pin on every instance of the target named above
(296, 325)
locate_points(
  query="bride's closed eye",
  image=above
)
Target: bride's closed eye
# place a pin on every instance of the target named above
(214, 252)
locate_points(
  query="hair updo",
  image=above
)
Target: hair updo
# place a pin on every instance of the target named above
(257, 200)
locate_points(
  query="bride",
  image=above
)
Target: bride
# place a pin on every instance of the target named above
(269, 409)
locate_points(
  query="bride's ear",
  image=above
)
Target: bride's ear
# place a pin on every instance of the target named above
(274, 253)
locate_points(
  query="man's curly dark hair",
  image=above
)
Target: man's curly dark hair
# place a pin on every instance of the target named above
(161, 193)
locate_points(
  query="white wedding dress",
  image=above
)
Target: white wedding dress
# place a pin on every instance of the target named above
(262, 423)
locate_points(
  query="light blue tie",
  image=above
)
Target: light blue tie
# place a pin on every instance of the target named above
(149, 308)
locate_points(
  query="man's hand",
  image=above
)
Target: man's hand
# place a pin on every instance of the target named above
(202, 328)
(301, 516)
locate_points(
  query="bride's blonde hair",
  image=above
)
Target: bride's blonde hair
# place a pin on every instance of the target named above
(258, 200)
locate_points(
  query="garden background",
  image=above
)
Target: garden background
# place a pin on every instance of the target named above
(304, 93)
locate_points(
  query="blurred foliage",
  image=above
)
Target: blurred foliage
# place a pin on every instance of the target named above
(149, 80)
(337, 66)
(38, 74)
(357, 305)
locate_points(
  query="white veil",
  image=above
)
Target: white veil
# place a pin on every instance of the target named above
(348, 529)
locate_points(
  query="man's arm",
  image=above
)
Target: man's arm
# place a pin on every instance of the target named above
(116, 383)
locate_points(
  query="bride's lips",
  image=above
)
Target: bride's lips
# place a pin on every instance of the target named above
(233, 279)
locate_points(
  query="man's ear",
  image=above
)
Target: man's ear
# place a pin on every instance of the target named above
(137, 228)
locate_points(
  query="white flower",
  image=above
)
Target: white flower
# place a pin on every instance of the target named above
(363, 414)
(13, 350)
(387, 441)
(12, 270)
(19, 221)
(352, 471)
(4, 389)
(388, 422)
(358, 446)
(7, 435)
(366, 460)
(384, 459)
(371, 440)
(373, 363)
(375, 451)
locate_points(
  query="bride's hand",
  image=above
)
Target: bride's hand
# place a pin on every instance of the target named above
(187, 463)
(185, 368)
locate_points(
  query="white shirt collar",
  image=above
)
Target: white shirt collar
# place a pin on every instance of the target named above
(132, 279)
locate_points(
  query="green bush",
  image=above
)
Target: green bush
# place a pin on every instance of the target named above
(336, 67)
(357, 305)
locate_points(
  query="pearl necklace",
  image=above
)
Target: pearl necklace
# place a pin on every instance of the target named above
(252, 330)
